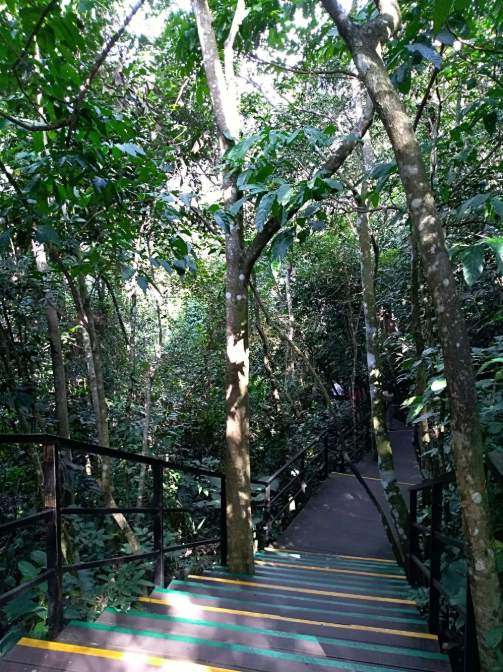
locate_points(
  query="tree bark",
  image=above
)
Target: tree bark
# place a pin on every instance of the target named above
(101, 409)
(417, 333)
(364, 43)
(239, 521)
(399, 511)
(267, 364)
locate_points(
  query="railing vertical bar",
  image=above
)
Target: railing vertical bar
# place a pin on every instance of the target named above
(435, 557)
(267, 514)
(158, 501)
(413, 535)
(53, 541)
(223, 521)
(326, 457)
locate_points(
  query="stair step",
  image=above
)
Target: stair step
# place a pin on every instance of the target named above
(280, 639)
(298, 586)
(328, 626)
(354, 613)
(289, 602)
(214, 652)
(331, 556)
(336, 561)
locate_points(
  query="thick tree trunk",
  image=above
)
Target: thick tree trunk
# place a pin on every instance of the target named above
(364, 43)
(385, 463)
(239, 522)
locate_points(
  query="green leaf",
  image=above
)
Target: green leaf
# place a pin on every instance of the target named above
(5, 239)
(263, 210)
(441, 13)
(129, 148)
(40, 557)
(490, 122)
(333, 184)
(496, 360)
(428, 53)
(496, 245)
(473, 263)
(461, 5)
(28, 570)
(438, 385)
(497, 207)
(381, 169)
(282, 243)
(166, 266)
(494, 636)
(142, 283)
(46, 234)
(317, 225)
(223, 220)
(239, 151)
(471, 204)
(127, 273)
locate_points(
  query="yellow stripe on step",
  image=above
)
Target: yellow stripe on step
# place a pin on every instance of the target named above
(328, 555)
(329, 569)
(372, 598)
(275, 617)
(128, 656)
(369, 478)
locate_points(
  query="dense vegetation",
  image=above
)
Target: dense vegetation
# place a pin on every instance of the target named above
(183, 209)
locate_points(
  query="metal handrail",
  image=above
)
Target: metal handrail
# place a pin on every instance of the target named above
(433, 573)
(53, 513)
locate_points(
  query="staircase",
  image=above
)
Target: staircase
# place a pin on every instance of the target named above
(301, 609)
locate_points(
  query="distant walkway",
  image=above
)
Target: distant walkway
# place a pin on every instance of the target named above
(340, 518)
(331, 599)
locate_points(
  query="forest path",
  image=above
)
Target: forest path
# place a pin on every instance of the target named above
(332, 598)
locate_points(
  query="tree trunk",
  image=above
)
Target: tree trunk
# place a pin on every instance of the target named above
(267, 364)
(132, 359)
(239, 522)
(364, 43)
(146, 428)
(101, 410)
(417, 333)
(399, 512)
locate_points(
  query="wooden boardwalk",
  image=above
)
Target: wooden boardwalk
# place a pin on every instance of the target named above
(331, 598)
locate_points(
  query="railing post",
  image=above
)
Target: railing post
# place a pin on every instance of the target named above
(267, 514)
(223, 521)
(53, 540)
(414, 545)
(326, 456)
(158, 473)
(436, 553)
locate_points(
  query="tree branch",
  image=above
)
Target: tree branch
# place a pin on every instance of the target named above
(333, 164)
(424, 100)
(302, 71)
(119, 316)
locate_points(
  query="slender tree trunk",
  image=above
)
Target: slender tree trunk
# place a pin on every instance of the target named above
(399, 512)
(101, 410)
(146, 430)
(132, 359)
(267, 364)
(364, 43)
(417, 333)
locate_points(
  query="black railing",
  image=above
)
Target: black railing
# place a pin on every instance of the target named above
(53, 513)
(443, 611)
(296, 480)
